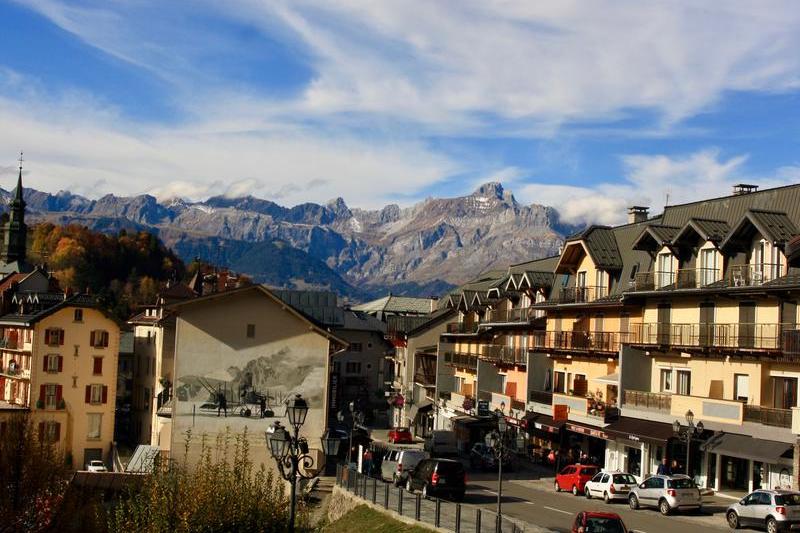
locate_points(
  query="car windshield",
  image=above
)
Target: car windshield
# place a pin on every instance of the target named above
(682, 483)
(604, 525)
(589, 471)
(625, 479)
(787, 499)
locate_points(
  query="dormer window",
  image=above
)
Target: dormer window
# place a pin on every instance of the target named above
(665, 273)
(710, 267)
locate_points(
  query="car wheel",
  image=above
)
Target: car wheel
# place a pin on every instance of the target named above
(606, 498)
(733, 520)
(633, 501)
(772, 525)
(574, 490)
(409, 486)
(555, 486)
(587, 493)
(663, 507)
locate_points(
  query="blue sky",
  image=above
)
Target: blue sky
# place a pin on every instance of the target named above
(588, 107)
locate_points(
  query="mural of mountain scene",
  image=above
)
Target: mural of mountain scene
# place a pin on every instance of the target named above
(421, 250)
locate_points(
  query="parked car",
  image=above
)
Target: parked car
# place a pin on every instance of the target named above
(610, 486)
(483, 456)
(574, 478)
(777, 510)
(95, 465)
(596, 522)
(438, 477)
(397, 464)
(441, 442)
(666, 493)
(400, 436)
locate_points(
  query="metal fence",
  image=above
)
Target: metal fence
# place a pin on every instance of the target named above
(435, 512)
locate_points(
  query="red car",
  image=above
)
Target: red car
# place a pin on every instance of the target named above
(588, 521)
(400, 436)
(574, 478)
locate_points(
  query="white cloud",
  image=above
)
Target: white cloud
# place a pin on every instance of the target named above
(649, 180)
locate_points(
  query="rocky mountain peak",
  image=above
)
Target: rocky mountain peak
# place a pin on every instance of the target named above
(339, 208)
(492, 189)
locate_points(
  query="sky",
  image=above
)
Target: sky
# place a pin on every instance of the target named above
(585, 106)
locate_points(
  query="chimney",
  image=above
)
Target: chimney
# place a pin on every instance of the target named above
(744, 188)
(434, 303)
(637, 213)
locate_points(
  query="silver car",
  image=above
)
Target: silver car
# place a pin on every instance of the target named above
(666, 493)
(397, 464)
(777, 510)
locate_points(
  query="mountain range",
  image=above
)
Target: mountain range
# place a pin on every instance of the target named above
(424, 249)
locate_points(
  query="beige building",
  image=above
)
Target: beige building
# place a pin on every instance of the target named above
(243, 345)
(60, 361)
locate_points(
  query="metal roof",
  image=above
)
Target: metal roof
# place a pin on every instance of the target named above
(659, 234)
(396, 304)
(772, 225)
(602, 245)
(321, 306)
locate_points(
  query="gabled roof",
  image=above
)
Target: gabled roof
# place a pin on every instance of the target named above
(321, 306)
(708, 230)
(434, 319)
(655, 237)
(396, 304)
(772, 225)
(49, 299)
(600, 243)
(261, 289)
(793, 251)
(177, 291)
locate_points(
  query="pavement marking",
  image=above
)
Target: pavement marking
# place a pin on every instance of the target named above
(528, 503)
(557, 510)
(490, 492)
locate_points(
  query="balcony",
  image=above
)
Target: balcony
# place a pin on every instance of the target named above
(768, 416)
(656, 401)
(516, 315)
(578, 295)
(582, 408)
(461, 360)
(580, 341)
(754, 275)
(743, 336)
(510, 355)
(461, 328)
(540, 396)
(696, 278)
(669, 407)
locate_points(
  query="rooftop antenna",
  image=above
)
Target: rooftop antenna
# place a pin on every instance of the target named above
(666, 198)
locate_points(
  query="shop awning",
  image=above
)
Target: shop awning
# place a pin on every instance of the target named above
(635, 429)
(745, 447)
(611, 379)
(591, 431)
(547, 424)
(414, 409)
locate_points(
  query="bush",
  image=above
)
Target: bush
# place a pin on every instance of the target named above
(222, 492)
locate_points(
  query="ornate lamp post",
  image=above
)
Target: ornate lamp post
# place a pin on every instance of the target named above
(687, 433)
(291, 451)
(497, 442)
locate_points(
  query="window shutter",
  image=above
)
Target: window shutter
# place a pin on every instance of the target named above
(57, 432)
(91, 339)
(60, 363)
(41, 431)
(61, 337)
(42, 392)
(88, 394)
(105, 393)
(47, 336)
(59, 390)
(98, 365)
(44, 362)
(105, 339)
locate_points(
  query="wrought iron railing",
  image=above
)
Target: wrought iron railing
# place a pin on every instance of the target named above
(461, 360)
(750, 275)
(585, 341)
(511, 316)
(566, 295)
(505, 354)
(734, 335)
(769, 416)
(461, 327)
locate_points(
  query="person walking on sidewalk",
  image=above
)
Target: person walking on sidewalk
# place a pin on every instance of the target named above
(664, 469)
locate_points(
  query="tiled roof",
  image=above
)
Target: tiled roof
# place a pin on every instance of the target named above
(178, 291)
(78, 300)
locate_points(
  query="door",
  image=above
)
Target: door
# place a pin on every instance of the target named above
(784, 392)
(664, 315)
(747, 325)
(706, 333)
(653, 488)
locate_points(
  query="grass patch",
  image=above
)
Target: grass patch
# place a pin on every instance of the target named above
(364, 519)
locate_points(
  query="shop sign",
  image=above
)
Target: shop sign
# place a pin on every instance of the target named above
(548, 429)
(334, 392)
(483, 408)
(588, 431)
(560, 412)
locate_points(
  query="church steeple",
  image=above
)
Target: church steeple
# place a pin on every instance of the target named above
(15, 231)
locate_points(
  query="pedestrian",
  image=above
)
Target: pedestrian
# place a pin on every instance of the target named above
(222, 404)
(367, 469)
(675, 466)
(664, 469)
(584, 458)
(262, 401)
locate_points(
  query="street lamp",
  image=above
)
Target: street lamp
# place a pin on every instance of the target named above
(291, 451)
(356, 418)
(497, 442)
(687, 433)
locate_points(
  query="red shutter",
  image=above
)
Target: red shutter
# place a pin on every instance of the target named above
(42, 392)
(61, 337)
(44, 363)
(57, 435)
(60, 363)
(105, 339)
(91, 339)
(41, 431)
(98, 365)
(58, 394)
(88, 394)
(47, 336)
(105, 393)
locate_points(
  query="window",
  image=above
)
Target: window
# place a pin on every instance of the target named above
(251, 331)
(356, 347)
(95, 425)
(600, 282)
(149, 337)
(52, 363)
(96, 394)
(78, 315)
(49, 431)
(98, 339)
(666, 380)
(352, 367)
(708, 267)
(684, 382)
(97, 366)
(580, 281)
(560, 384)
(741, 387)
(664, 272)
(50, 396)
(54, 336)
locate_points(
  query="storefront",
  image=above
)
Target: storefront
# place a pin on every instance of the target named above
(587, 440)
(471, 429)
(637, 446)
(739, 463)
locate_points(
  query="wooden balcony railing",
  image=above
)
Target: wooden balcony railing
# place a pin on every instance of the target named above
(572, 295)
(737, 335)
(769, 416)
(509, 316)
(647, 400)
(540, 396)
(580, 341)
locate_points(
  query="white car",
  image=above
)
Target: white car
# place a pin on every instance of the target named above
(96, 466)
(610, 486)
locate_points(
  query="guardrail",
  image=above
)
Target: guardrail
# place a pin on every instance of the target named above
(769, 416)
(461, 360)
(696, 278)
(510, 316)
(542, 397)
(734, 335)
(444, 514)
(505, 354)
(461, 327)
(647, 400)
(580, 295)
(582, 341)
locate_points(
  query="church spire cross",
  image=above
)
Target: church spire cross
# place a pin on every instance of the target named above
(20, 160)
